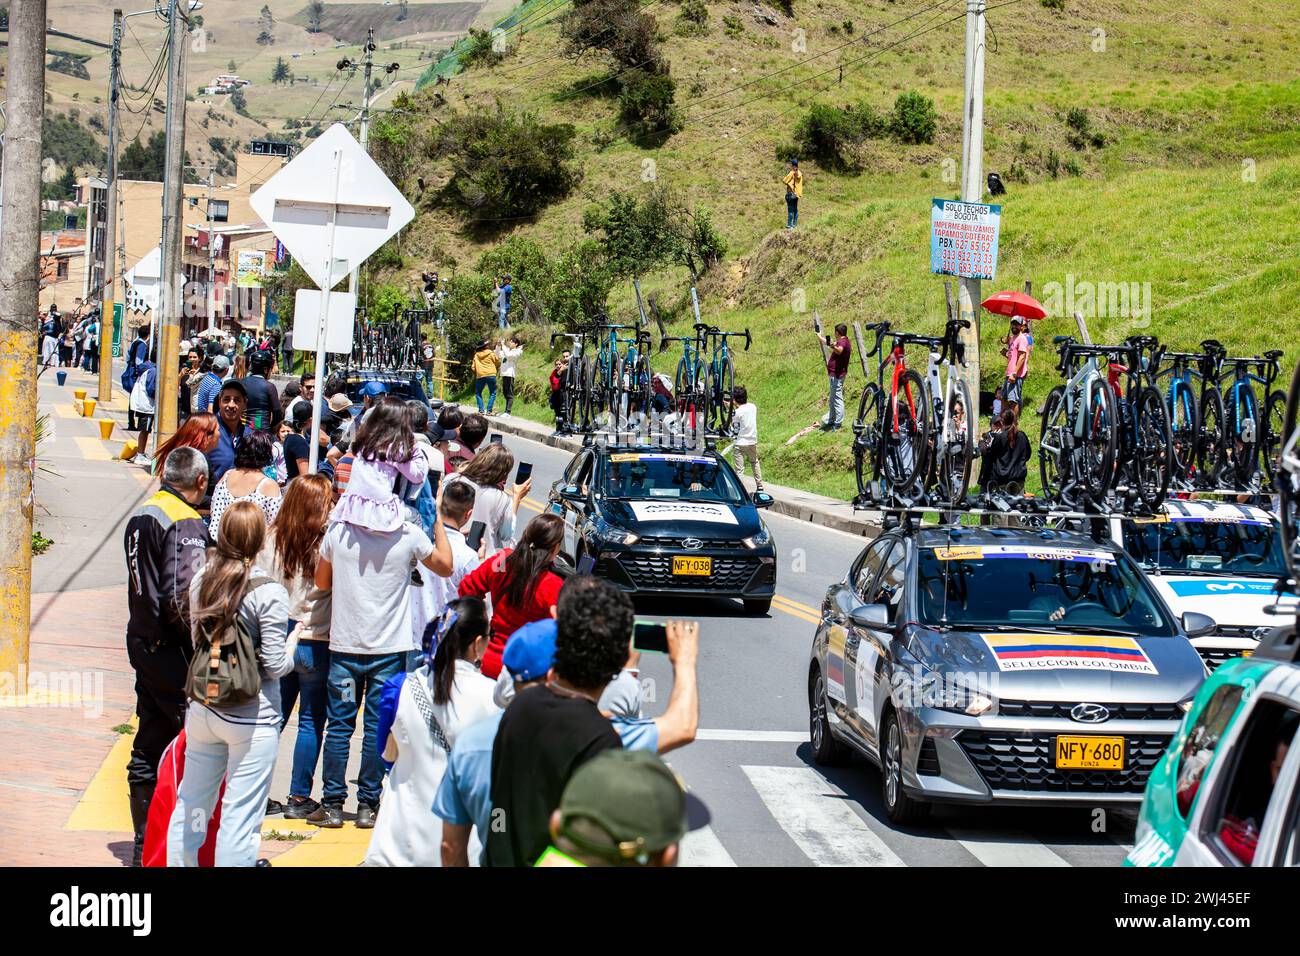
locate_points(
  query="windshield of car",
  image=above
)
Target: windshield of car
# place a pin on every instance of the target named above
(671, 476)
(1194, 546)
(1051, 588)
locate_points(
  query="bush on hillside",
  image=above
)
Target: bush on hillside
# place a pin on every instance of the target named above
(505, 166)
(914, 119)
(69, 143)
(832, 134)
(566, 289)
(479, 50)
(470, 319)
(646, 108)
(395, 141)
(637, 235)
(1057, 5)
(619, 28)
(1081, 133)
(693, 20)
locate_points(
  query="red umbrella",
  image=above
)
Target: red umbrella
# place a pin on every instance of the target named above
(1015, 303)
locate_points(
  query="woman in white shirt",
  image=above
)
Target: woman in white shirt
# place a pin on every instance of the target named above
(426, 711)
(493, 505)
(508, 352)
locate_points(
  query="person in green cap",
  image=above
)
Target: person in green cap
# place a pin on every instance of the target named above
(621, 808)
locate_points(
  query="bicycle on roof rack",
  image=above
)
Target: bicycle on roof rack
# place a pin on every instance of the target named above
(1195, 422)
(1254, 429)
(892, 430)
(721, 377)
(690, 381)
(1076, 450)
(1287, 476)
(575, 403)
(1145, 463)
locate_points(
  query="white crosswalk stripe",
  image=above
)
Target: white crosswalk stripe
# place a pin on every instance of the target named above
(819, 818)
(1005, 849)
(703, 848)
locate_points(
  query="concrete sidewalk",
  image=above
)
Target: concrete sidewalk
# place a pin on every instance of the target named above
(804, 505)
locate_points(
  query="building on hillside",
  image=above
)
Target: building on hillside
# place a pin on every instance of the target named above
(63, 264)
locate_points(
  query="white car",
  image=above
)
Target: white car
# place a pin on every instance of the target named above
(1216, 558)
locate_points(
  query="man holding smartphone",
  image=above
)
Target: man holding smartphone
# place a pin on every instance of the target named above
(837, 368)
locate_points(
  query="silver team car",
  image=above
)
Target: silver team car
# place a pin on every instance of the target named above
(1003, 665)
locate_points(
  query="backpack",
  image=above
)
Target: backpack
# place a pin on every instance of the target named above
(225, 673)
(131, 372)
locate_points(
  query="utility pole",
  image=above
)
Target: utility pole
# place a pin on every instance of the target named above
(107, 297)
(212, 262)
(20, 240)
(972, 184)
(365, 122)
(170, 303)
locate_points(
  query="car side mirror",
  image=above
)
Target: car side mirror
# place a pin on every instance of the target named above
(763, 500)
(874, 616)
(572, 493)
(1198, 625)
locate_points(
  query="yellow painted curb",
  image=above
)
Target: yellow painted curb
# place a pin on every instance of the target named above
(106, 805)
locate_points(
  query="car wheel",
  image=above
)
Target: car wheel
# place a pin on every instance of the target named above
(901, 808)
(758, 607)
(826, 750)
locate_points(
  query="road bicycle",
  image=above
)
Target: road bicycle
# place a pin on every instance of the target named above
(1252, 431)
(721, 378)
(690, 382)
(605, 372)
(1287, 476)
(1145, 465)
(892, 430)
(575, 404)
(635, 377)
(952, 426)
(1195, 423)
(1076, 449)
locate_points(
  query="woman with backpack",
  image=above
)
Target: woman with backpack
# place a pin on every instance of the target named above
(239, 617)
(421, 715)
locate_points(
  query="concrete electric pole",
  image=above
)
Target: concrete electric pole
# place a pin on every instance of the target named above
(367, 64)
(107, 296)
(972, 184)
(20, 240)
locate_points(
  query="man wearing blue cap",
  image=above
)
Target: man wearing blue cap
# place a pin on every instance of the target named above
(371, 392)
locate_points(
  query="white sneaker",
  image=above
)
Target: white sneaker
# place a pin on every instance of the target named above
(141, 460)
(505, 415)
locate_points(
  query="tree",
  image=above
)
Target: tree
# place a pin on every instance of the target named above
(315, 15)
(638, 235)
(232, 66)
(281, 74)
(144, 161)
(238, 103)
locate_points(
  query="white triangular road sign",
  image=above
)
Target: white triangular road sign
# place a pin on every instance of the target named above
(299, 201)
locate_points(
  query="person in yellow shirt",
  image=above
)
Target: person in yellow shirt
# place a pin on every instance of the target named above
(793, 193)
(486, 363)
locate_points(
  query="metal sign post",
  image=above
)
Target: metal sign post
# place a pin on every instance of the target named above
(318, 395)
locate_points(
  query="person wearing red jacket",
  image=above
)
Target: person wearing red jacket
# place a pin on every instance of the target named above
(522, 585)
(557, 384)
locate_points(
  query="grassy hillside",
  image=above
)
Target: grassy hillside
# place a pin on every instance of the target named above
(1192, 193)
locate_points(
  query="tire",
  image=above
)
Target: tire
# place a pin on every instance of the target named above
(901, 808)
(1053, 466)
(614, 401)
(1210, 458)
(1184, 428)
(954, 451)
(903, 450)
(1288, 478)
(758, 607)
(826, 750)
(866, 437)
(1154, 455)
(1242, 423)
(723, 396)
(681, 387)
(1095, 455)
(1274, 430)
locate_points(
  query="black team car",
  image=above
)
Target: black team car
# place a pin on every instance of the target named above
(657, 521)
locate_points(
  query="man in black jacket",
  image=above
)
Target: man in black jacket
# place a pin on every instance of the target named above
(264, 412)
(165, 544)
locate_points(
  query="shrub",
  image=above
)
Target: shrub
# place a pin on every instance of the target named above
(786, 7)
(831, 134)
(470, 319)
(479, 51)
(733, 26)
(646, 108)
(849, 27)
(637, 235)
(1057, 5)
(505, 165)
(693, 20)
(567, 289)
(914, 118)
(1072, 167)
(1053, 164)
(617, 27)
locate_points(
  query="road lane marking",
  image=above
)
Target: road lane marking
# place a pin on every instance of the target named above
(819, 818)
(806, 608)
(532, 505)
(779, 604)
(1005, 849)
(92, 449)
(755, 736)
(703, 848)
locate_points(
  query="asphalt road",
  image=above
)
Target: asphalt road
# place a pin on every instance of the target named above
(751, 763)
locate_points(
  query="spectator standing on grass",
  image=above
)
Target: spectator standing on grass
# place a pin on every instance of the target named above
(504, 290)
(366, 558)
(1005, 453)
(508, 352)
(234, 743)
(745, 422)
(557, 390)
(521, 584)
(165, 542)
(837, 368)
(793, 193)
(427, 711)
(485, 365)
(1017, 367)
(548, 732)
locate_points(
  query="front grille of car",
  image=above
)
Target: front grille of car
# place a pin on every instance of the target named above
(654, 572)
(1031, 708)
(1214, 656)
(1025, 762)
(710, 544)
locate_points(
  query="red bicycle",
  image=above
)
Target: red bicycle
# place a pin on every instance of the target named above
(892, 430)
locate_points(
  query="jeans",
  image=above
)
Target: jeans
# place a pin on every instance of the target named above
(242, 754)
(427, 375)
(490, 383)
(508, 391)
(503, 317)
(835, 403)
(791, 211)
(306, 685)
(352, 678)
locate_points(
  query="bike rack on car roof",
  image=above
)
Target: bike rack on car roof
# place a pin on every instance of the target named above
(1280, 644)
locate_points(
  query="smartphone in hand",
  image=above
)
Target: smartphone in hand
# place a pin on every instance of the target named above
(586, 564)
(648, 636)
(524, 473)
(495, 439)
(475, 536)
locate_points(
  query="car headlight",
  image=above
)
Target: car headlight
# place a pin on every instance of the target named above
(924, 685)
(1186, 705)
(606, 533)
(760, 539)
